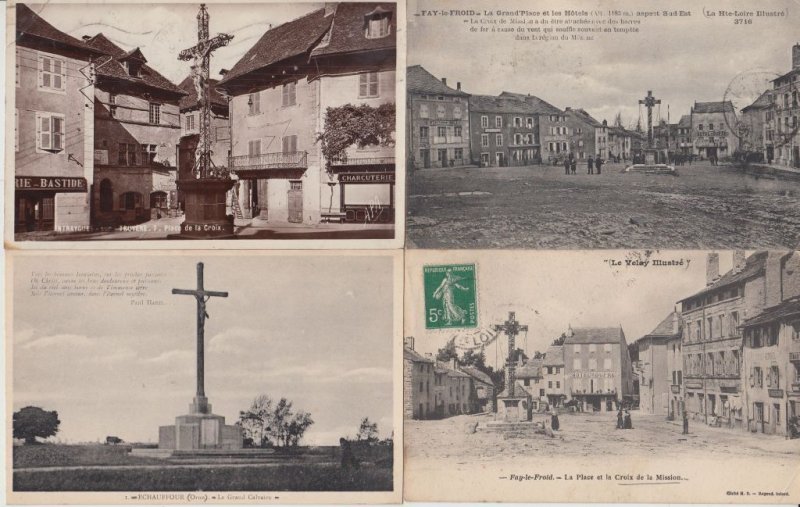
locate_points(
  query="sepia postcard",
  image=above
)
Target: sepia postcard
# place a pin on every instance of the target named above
(613, 376)
(598, 125)
(267, 121)
(204, 377)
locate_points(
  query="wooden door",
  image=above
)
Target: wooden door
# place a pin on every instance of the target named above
(296, 202)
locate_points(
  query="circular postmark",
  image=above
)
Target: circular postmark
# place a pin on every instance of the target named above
(754, 91)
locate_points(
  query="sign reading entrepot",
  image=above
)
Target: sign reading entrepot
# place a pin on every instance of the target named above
(50, 183)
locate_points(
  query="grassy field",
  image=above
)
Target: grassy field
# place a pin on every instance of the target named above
(53, 455)
(316, 477)
(299, 469)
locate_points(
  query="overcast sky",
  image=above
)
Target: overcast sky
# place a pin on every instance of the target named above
(163, 31)
(550, 291)
(682, 60)
(317, 330)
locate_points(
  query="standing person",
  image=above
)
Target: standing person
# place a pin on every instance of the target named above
(628, 422)
(590, 163)
(599, 164)
(620, 420)
(566, 165)
(554, 425)
(685, 423)
(573, 165)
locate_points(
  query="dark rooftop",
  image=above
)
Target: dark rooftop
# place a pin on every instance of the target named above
(595, 335)
(420, 80)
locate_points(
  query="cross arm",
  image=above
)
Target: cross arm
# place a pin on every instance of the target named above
(185, 292)
(215, 293)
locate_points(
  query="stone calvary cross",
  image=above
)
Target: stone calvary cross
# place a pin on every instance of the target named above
(200, 53)
(511, 328)
(202, 296)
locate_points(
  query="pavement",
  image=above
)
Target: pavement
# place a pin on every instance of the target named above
(592, 434)
(704, 207)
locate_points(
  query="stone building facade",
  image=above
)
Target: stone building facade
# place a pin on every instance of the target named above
(332, 59)
(598, 368)
(711, 133)
(438, 121)
(660, 372)
(137, 128)
(585, 134)
(419, 394)
(53, 127)
(783, 118)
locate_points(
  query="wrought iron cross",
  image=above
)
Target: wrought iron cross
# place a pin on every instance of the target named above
(200, 53)
(202, 296)
(650, 102)
(511, 328)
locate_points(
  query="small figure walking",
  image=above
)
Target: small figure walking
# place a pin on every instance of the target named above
(599, 164)
(554, 424)
(685, 423)
(620, 420)
(566, 165)
(349, 460)
(573, 165)
(590, 163)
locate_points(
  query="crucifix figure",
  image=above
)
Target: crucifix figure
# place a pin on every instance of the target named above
(202, 296)
(649, 102)
(511, 328)
(200, 53)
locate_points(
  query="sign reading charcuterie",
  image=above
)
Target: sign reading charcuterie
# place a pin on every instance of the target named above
(51, 183)
(387, 177)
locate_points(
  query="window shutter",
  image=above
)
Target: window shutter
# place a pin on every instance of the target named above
(57, 128)
(41, 71)
(58, 74)
(373, 90)
(752, 377)
(362, 85)
(44, 122)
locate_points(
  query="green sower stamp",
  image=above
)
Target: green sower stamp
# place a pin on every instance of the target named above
(450, 296)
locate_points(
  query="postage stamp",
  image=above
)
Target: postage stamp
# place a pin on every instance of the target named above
(450, 296)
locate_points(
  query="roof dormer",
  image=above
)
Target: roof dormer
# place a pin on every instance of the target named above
(377, 23)
(133, 61)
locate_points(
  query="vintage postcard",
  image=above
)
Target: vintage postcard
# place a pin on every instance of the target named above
(268, 121)
(204, 377)
(614, 376)
(597, 125)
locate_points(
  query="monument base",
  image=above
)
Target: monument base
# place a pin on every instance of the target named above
(651, 169)
(514, 408)
(200, 430)
(205, 209)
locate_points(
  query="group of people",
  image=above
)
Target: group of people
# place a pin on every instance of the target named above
(624, 420)
(571, 165)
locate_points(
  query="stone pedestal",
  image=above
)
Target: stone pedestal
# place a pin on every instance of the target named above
(200, 430)
(514, 408)
(205, 208)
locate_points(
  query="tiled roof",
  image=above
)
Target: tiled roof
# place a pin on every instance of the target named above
(785, 309)
(584, 116)
(754, 266)
(713, 107)
(420, 80)
(520, 391)
(190, 100)
(595, 335)
(477, 374)
(531, 369)
(685, 121)
(293, 38)
(554, 356)
(30, 24)
(413, 355)
(111, 66)
(348, 30)
(509, 104)
(762, 102)
(670, 326)
(540, 106)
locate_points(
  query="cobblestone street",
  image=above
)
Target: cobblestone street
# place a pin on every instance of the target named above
(541, 207)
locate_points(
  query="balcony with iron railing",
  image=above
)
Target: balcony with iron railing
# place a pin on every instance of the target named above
(269, 161)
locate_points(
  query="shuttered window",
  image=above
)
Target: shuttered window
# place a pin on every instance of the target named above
(52, 73)
(50, 131)
(289, 94)
(368, 84)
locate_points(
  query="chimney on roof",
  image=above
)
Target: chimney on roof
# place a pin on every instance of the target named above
(796, 56)
(86, 37)
(605, 123)
(444, 81)
(774, 279)
(408, 342)
(222, 72)
(568, 108)
(454, 364)
(429, 355)
(739, 261)
(458, 85)
(712, 268)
